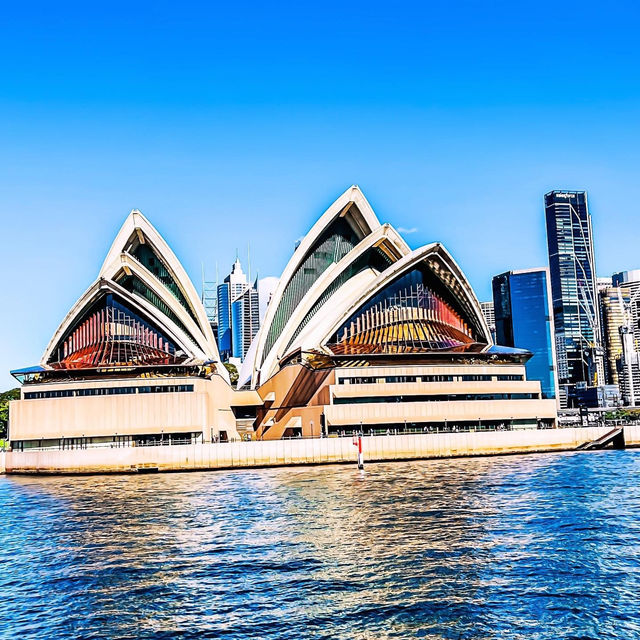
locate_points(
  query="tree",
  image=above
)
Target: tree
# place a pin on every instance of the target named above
(5, 398)
(233, 373)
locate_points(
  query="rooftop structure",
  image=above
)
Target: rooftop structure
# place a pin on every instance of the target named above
(131, 362)
(238, 313)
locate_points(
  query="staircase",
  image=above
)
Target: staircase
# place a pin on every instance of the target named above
(615, 437)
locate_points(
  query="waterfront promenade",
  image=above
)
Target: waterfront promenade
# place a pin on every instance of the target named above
(302, 451)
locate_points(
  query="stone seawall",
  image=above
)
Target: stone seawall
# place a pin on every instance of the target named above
(302, 452)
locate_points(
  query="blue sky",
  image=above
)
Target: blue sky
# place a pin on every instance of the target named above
(236, 123)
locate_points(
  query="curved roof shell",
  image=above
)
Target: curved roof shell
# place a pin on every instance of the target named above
(155, 301)
(339, 289)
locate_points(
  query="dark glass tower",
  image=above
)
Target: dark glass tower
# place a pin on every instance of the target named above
(573, 288)
(523, 319)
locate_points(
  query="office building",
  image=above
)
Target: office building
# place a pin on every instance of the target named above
(245, 320)
(614, 310)
(629, 366)
(238, 314)
(573, 289)
(490, 316)
(266, 288)
(523, 319)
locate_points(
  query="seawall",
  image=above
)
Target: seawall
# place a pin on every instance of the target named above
(301, 452)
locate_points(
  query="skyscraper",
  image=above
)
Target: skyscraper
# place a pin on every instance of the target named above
(490, 317)
(614, 306)
(523, 319)
(238, 314)
(245, 320)
(629, 364)
(573, 288)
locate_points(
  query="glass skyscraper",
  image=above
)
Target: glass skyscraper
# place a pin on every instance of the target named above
(523, 319)
(573, 288)
(238, 314)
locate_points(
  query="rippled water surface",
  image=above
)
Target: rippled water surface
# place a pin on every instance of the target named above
(538, 546)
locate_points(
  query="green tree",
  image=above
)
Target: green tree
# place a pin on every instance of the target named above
(5, 398)
(233, 373)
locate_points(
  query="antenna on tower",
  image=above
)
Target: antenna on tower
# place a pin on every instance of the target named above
(249, 259)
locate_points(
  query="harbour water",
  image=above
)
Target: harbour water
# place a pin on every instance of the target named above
(542, 546)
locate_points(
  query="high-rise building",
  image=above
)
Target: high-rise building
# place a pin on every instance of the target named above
(238, 314)
(614, 306)
(629, 364)
(523, 319)
(573, 288)
(245, 320)
(490, 317)
(631, 280)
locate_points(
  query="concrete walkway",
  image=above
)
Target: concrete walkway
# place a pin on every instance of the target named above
(302, 452)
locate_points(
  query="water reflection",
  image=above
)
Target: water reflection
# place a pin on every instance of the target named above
(537, 546)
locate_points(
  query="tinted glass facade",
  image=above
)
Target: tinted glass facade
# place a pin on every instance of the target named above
(573, 286)
(374, 258)
(224, 322)
(331, 247)
(133, 284)
(407, 315)
(238, 314)
(110, 333)
(523, 320)
(145, 254)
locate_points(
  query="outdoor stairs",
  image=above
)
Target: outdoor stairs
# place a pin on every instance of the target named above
(615, 437)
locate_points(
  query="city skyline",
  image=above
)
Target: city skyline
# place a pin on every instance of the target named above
(361, 332)
(207, 119)
(480, 284)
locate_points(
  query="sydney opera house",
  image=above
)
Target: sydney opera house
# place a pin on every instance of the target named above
(361, 333)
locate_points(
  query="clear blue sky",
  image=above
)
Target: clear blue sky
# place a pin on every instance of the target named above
(235, 123)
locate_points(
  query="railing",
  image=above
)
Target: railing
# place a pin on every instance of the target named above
(346, 433)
